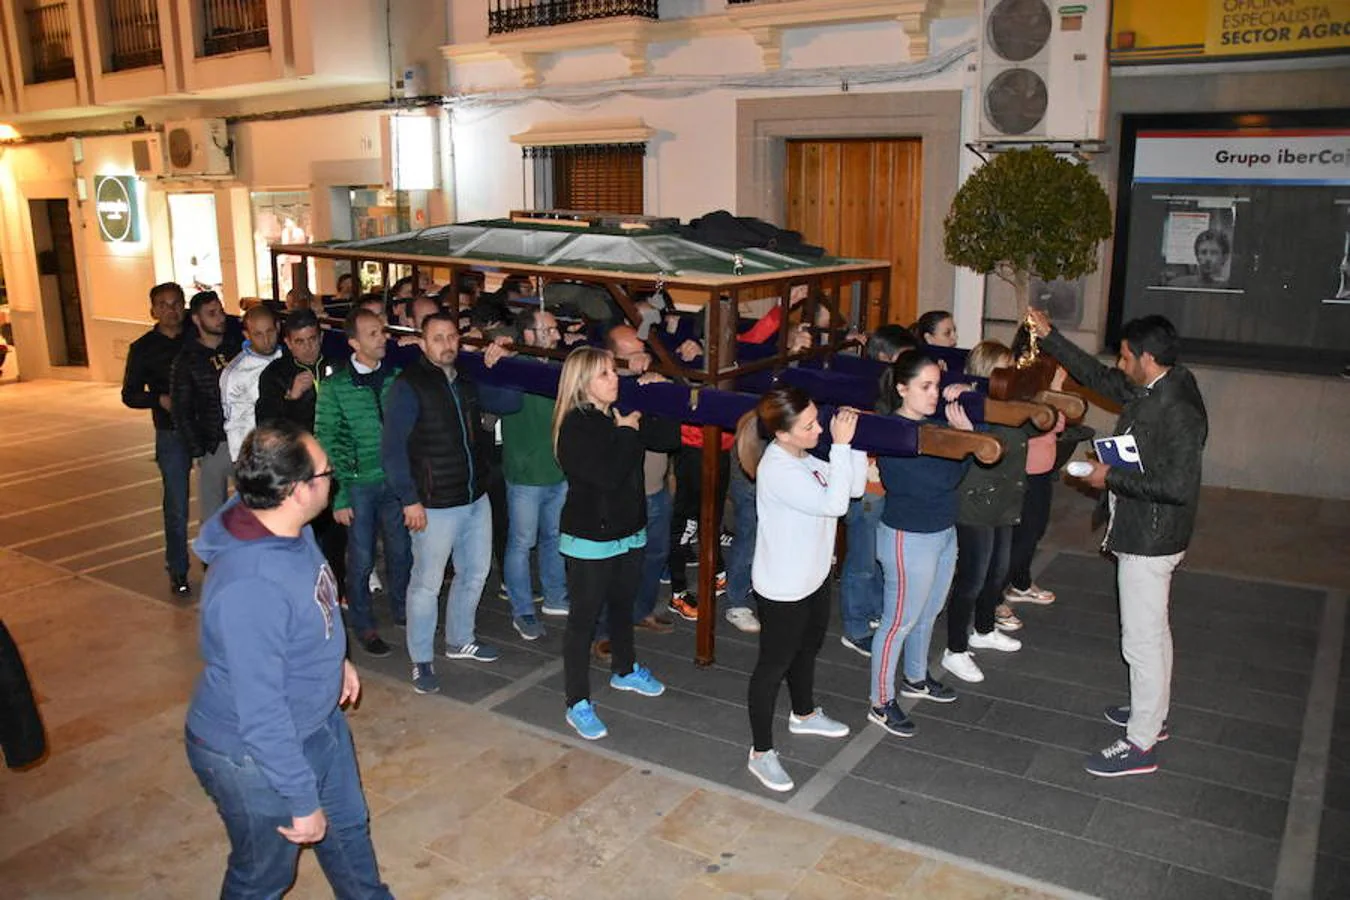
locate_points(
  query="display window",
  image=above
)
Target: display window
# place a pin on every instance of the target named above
(281, 217)
(195, 242)
(1237, 229)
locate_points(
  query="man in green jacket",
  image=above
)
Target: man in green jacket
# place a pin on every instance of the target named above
(535, 491)
(349, 423)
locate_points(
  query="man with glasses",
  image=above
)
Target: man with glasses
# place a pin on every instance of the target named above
(266, 735)
(145, 385)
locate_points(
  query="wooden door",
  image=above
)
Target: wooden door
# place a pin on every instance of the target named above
(861, 198)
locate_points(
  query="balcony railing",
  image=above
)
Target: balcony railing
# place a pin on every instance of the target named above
(232, 25)
(49, 38)
(133, 34)
(515, 15)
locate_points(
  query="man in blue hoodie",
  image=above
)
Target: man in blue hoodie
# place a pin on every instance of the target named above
(266, 735)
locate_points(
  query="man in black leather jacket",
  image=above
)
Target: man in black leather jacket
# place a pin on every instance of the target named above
(1152, 515)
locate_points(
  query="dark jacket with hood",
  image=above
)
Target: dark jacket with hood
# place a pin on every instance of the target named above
(272, 642)
(1155, 508)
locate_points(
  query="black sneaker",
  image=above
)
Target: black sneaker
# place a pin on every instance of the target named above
(375, 646)
(893, 719)
(1120, 715)
(928, 689)
(179, 585)
(1122, 758)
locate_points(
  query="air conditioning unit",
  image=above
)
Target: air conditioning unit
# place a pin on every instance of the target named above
(147, 156)
(198, 147)
(1043, 70)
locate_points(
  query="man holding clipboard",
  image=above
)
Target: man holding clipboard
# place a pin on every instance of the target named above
(1152, 513)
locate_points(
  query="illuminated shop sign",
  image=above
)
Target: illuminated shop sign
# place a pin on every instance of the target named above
(115, 206)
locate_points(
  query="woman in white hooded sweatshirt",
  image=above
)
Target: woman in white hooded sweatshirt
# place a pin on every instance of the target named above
(799, 500)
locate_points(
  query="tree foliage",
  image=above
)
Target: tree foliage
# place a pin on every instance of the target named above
(1028, 213)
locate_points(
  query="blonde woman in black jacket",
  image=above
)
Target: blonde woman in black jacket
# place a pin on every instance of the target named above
(604, 530)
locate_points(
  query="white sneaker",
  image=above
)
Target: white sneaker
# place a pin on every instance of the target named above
(818, 724)
(994, 640)
(769, 771)
(376, 586)
(744, 618)
(962, 665)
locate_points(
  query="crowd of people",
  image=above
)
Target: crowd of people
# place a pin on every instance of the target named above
(380, 441)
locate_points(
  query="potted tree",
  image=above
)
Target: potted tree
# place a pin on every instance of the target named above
(1028, 214)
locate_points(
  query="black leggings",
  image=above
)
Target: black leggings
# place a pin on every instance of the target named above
(593, 585)
(981, 571)
(791, 634)
(1027, 533)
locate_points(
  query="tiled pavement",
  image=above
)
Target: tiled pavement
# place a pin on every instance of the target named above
(994, 779)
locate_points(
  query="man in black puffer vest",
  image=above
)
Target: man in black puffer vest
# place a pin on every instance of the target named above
(198, 416)
(435, 453)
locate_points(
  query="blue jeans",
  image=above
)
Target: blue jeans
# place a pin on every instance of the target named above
(534, 514)
(918, 573)
(656, 554)
(262, 862)
(860, 585)
(464, 533)
(375, 506)
(175, 471)
(742, 552)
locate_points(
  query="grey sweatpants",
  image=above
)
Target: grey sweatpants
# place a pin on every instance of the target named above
(213, 481)
(1145, 585)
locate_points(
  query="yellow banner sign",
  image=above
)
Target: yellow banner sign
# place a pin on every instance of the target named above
(1245, 27)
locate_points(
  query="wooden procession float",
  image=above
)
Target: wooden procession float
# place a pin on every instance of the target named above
(622, 257)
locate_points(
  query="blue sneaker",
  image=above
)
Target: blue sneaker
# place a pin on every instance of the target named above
(581, 716)
(554, 609)
(424, 679)
(476, 652)
(892, 718)
(928, 689)
(1122, 758)
(639, 681)
(528, 627)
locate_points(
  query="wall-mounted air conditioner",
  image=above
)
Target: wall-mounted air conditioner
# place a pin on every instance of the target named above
(1043, 70)
(198, 147)
(147, 156)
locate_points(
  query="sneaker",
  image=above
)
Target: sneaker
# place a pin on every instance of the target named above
(581, 716)
(665, 577)
(726, 539)
(375, 585)
(994, 640)
(374, 646)
(769, 771)
(681, 606)
(861, 645)
(1120, 715)
(893, 719)
(874, 624)
(744, 618)
(424, 679)
(1122, 758)
(554, 609)
(928, 689)
(528, 627)
(962, 665)
(1005, 619)
(179, 585)
(476, 652)
(639, 681)
(600, 650)
(817, 723)
(720, 583)
(655, 623)
(1033, 594)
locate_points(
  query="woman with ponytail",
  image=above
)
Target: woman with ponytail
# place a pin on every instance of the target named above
(916, 544)
(799, 500)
